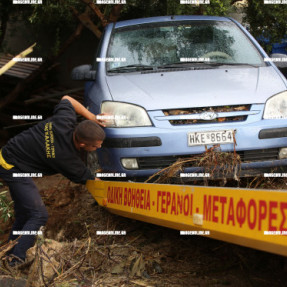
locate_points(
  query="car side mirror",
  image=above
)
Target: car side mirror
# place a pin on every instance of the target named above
(83, 72)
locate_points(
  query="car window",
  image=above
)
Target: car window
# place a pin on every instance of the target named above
(162, 44)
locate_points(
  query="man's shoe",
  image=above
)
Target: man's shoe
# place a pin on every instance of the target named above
(12, 262)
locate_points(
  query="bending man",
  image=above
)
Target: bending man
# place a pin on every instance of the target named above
(52, 146)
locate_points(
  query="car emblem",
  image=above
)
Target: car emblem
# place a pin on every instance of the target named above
(207, 116)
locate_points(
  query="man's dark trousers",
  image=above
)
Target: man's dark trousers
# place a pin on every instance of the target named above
(30, 211)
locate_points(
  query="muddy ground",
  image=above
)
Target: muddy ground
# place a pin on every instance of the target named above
(147, 255)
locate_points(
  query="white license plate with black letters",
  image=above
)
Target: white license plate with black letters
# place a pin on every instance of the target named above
(210, 137)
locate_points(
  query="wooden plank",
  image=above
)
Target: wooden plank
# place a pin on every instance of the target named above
(21, 55)
(20, 69)
(29, 65)
(17, 75)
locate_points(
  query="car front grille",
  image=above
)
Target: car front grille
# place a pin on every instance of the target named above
(245, 156)
(237, 113)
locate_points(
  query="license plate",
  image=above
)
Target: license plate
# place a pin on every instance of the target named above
(210, 137)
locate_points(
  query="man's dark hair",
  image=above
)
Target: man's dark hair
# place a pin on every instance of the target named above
(88, 132)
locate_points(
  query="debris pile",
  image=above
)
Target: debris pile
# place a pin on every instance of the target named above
(214, 162)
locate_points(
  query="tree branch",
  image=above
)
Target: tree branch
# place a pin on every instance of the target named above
(87, 22)
(96, 10)
(115, 13)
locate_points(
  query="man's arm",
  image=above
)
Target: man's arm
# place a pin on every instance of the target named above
(81, 110)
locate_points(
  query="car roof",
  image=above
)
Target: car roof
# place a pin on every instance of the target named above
(169, 19)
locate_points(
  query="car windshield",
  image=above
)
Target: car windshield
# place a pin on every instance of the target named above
(159, 45)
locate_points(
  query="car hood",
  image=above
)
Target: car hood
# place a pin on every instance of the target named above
(196, 88)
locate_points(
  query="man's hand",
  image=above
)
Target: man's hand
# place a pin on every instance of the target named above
(103, 119)
(96, 178)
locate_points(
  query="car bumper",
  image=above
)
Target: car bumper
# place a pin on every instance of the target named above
(159, 143)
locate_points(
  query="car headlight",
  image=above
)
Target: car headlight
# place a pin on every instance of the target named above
(276, 107)
(123, 115)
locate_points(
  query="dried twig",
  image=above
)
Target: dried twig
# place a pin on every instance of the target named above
(8, 246)
(76, 266)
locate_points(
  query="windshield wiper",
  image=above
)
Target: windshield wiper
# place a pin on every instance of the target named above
(179, 64)
(236, 64)
(208, 63)
(129, 68)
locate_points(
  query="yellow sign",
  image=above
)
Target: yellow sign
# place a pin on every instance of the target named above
(253, 218)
